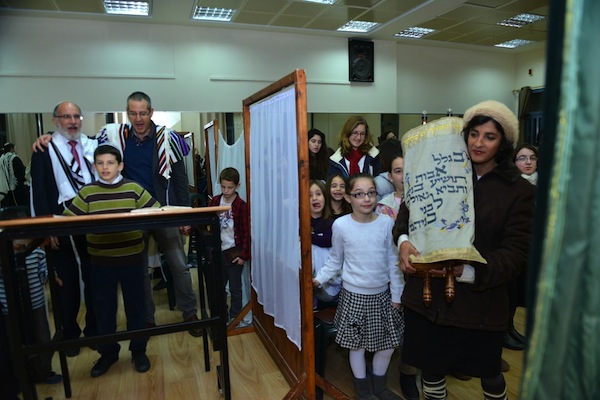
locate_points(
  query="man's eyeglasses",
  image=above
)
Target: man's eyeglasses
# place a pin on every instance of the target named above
(68, 117)
(525, 158)
(142, 114)
(361, 195)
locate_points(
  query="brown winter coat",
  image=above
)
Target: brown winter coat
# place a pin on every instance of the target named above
(503, 203)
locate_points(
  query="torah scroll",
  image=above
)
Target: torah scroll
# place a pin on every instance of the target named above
(438, 190)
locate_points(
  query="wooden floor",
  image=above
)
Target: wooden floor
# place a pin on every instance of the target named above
(178, 370)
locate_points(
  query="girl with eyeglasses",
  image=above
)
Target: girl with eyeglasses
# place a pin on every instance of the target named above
(526, 159)
(369, 310)
(356, 152)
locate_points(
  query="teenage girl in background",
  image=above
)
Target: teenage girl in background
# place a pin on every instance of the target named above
(368, 314)
(390, 204)
(336, 187)
(325, 296)
(318, 155)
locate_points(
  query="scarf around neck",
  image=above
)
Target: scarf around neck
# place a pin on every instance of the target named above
(353, 158)
(531, 178)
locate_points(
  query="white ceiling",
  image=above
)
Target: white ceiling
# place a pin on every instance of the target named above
(458, 22)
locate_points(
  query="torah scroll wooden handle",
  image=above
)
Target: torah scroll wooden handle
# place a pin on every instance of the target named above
(449, 290)
(427, 289)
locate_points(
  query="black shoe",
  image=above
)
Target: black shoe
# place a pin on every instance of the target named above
(160, 285)
(102, 365)
(141, 363)
(52, 378)
(195, 332)
(72, 352)
(512, 343)
(408, 387)
(520, 338)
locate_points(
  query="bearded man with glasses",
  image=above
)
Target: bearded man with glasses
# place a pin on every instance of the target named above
(56, 177)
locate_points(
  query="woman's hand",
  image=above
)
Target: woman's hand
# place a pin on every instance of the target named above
(397, 305)
(457, 270)
(406, 249)
(41, 143)
(316, 283)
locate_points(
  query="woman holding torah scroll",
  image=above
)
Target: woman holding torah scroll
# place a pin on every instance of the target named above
(465, 335)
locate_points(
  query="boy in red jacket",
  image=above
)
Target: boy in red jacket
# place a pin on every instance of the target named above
(235, 237)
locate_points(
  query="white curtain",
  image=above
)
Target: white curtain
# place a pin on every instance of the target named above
(214, 173)
(275, 224)
(231, 156)
(21, 130)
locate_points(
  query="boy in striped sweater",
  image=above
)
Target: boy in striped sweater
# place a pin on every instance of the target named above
(115, 257)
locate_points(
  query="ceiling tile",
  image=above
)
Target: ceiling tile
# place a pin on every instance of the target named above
(443, 36)
(398, 7)
(439, 23)
(360, 3)
(345, 13)
(304, 9)
(489, 3)
(94, 6)
(522, 6)
(271, 6)
(31, 4)
(253, 18)
(229, 4)
(326, 24)
(377, 16)
(468, 27)
(465, 13)
(289, 20)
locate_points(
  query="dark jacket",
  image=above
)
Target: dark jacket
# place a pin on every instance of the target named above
(337, 163)
(503, 203)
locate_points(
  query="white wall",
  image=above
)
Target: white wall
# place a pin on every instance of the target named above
(98, 64)
(536, 61)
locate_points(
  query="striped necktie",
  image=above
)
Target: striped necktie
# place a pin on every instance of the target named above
(73, 144)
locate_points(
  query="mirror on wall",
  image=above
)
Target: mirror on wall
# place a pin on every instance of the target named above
(23, 129)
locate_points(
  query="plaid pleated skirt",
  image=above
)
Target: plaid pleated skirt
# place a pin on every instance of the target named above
(368, 321)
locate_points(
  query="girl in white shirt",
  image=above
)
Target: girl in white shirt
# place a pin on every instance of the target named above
(369, 309)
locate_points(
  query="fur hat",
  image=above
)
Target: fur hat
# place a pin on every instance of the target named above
(500, 113)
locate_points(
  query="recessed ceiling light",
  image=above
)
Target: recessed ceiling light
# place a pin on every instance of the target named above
(414, 32)
(357, 26)
(522, 19)
(511, 44)
(321, 1)
(140, 8)
(213, 14)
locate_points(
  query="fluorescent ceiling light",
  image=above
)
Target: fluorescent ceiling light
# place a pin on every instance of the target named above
(213, 14)
(357, 26)
(511, 44)
(522, 19)
(414, 32)
(140, 8)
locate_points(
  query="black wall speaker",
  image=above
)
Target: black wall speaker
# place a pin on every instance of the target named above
(360, 61)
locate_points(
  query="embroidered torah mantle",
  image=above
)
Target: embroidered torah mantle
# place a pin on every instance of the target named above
(438, 190)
